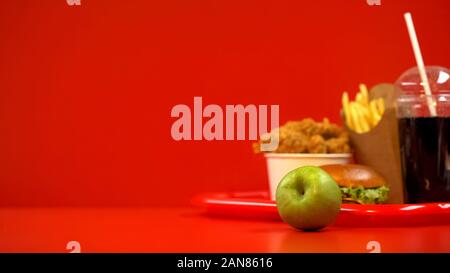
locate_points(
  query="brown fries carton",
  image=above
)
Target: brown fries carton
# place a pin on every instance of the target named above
(379, 148)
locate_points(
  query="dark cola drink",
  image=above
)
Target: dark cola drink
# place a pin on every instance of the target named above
(425, 154)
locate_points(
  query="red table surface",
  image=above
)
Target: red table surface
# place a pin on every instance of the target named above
(189, 230)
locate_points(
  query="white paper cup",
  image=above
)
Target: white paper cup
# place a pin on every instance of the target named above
(278, 165)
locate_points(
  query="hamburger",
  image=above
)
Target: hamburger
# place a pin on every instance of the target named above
(359, 184)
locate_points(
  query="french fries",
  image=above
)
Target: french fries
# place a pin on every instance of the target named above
(362, 114)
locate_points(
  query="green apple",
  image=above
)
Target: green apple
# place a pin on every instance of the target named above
(308, 198)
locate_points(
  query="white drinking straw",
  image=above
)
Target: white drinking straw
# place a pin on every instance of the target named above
(420, 64)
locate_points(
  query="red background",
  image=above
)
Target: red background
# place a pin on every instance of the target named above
(86, 91)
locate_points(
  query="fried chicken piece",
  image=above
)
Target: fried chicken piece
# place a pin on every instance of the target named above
(338, 145)
(307, 126)
(317, 145)
(291, 141)
(308, 136)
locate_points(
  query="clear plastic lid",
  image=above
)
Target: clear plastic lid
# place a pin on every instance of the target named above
(412, 101)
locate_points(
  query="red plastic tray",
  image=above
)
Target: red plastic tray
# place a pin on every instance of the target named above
(257, 205)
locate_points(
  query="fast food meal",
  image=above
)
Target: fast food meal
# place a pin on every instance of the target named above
(308, 136)
(358, 183)
(362, 114)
